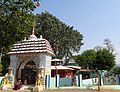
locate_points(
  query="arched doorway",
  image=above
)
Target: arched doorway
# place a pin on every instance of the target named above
(28, 74)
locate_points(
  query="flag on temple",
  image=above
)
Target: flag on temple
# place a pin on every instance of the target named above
(38, 3)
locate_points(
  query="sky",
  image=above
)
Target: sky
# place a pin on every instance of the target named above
(96, 20)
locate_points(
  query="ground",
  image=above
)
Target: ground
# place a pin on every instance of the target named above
(80, 90)
(69, 90)
(105, 88)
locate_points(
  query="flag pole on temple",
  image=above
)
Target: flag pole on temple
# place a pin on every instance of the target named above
(33, 30)
(38, 5)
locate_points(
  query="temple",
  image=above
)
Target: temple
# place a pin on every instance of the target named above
(30, 57)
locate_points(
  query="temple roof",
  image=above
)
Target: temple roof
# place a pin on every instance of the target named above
(32, 45)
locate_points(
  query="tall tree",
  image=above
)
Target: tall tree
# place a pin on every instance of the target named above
(63, 38)
(105, 60)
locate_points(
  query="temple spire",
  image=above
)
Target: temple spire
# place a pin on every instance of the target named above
(32, 36)
(33, 31)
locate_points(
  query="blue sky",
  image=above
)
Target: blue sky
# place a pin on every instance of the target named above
(95, 19)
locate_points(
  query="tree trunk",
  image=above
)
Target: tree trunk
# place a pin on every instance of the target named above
(0, 56)
(98, 74)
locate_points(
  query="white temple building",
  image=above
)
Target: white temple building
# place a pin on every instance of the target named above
(29, 57)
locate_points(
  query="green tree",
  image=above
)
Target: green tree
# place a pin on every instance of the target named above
(101, 59)
(105, 60)
(63, 38)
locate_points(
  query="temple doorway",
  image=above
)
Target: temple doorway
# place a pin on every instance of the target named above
(28, 74)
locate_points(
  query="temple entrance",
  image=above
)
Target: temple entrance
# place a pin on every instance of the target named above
(28, 74)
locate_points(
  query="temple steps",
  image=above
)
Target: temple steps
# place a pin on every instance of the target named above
(27, 87)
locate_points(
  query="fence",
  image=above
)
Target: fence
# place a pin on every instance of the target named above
(56, 82)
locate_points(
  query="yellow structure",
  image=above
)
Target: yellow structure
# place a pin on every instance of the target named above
(6, 80)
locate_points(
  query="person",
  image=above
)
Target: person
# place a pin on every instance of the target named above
(18, 85)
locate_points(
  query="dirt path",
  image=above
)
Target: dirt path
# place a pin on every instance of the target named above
(66, 90)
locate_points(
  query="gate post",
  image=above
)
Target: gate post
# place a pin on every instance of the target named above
(48, 78)
(76, 78)
(80, 80)
(57, 80)
(118, 79)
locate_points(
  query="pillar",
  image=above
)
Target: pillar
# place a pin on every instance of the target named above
(48, 80)
(118, 79)
(57, 80)
(76, 78)
(80, 80)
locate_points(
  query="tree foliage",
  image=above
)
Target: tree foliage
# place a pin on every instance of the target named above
(63, 38)
(86, 59)
(100, 59)
(11, 6)
(116, 70)
(105, 60)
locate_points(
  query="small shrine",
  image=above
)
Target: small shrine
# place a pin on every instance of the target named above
(30, 58)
